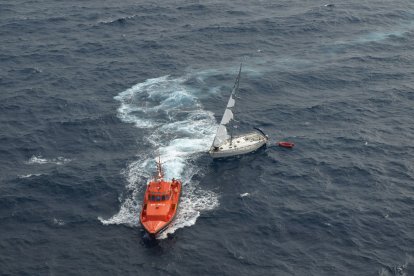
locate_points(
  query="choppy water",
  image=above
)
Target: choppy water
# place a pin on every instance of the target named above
(92, 91)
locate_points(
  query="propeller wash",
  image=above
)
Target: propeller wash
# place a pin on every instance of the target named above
(176, 127)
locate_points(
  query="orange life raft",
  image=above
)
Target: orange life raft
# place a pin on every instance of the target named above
(286, 144)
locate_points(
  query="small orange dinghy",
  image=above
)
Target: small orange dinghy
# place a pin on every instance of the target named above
(286, 144)
(160, 203)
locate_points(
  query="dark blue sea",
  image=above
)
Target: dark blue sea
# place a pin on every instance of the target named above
(91, 92)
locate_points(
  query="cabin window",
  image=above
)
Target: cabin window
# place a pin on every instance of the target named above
(163, 198)
(158, 198)
(153, 198)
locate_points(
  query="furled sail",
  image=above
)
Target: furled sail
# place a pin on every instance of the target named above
(227, 117)
(222, 135)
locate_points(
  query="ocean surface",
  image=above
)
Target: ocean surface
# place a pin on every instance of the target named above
(91, 92)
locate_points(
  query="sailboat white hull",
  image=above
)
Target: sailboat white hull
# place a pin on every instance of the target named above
(225, 145)
(239, 145)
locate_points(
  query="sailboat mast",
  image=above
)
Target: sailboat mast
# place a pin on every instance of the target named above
(222, 135)
(235, 89)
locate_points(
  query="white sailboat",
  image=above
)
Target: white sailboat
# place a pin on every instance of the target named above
(225, 144)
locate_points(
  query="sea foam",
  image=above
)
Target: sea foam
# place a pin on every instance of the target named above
(180, 130)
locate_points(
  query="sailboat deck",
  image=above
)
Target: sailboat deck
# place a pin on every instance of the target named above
(243, 142)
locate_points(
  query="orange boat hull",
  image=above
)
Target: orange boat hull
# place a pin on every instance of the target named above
(160, 205)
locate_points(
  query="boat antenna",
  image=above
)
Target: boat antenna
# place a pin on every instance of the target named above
(160, 174)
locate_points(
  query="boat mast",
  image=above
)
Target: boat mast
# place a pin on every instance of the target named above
(222, 134)
(235, 89)
(160, 174)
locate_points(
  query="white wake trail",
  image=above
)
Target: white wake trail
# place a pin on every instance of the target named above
(180, 130)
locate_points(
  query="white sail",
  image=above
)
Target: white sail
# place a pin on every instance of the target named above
(222, 135)
(227, 117)
(231, 102)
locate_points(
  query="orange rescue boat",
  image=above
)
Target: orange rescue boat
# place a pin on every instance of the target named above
(160, 203)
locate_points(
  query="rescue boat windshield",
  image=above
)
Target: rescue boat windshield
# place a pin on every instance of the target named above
(158, 197)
